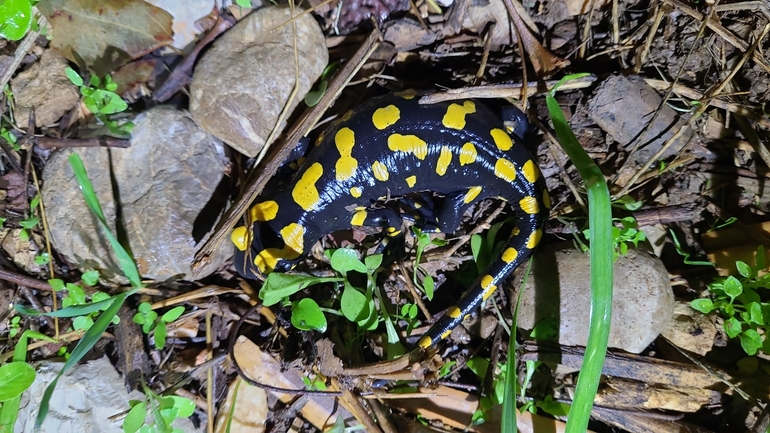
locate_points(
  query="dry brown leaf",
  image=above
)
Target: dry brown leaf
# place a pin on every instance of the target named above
(106, 35)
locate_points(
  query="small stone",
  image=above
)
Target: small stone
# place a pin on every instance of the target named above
(45, 88)
(560, 289)
(691, 330)
(242, 83)
(85, 400)
(167, 175)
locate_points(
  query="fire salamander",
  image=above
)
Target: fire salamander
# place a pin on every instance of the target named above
(390, 147)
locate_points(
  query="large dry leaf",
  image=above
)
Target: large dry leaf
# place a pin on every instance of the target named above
(106, 35)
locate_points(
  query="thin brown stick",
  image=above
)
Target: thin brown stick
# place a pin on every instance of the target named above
(104, 141)
(24, 280)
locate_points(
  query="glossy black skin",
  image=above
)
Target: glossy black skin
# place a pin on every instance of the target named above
(334, 210)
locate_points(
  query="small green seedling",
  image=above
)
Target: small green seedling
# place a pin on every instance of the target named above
(76, 295)
(14, 327)
(163, 410)
(151, 322)
(424, 240)
(315, 383)
(739, 301)
(100, 98)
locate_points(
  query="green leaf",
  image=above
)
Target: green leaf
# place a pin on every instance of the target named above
(306, 315)
(140, 318)
(56, 284)
(429, 285)
(553, 407)
(94, 80)
(172, 314)
(546, 330)
(243, 3)
(314, 96)
(704, 305)
(373, 262)
(73, 76)
(733, 287)
(70, 311)
(161, 332)
(114, 104)
(16, 19)
(16, 377)
(279, 286)
(743, 269)
(135, 418)
(755, 313)
(185, 406)
(478, 366)
(82, 323)
(35, 202)
(751, 341)
(353, 303)
(90, 278)
(733, 327)
(344, 260)
(29, 223)
(144, 307)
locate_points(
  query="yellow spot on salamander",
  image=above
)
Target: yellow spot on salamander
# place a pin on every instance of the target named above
(529, 205)
(407, 94)
(455, 114)
(502, 139)
(380, 171)
(294, 239)
(468, 154)
(408, 143)
(320, 139)
(505, 170)
(454, 312)
(472, 193)
(265, 211)
(293, 236)
(411, 180)
(305, 193)
(386, 116)
(510, 255)
(446, 334)
(546, 199)
(355, 191)
(444, 159)
(241, 238)
(489, 288)
(534, 238)
(530, 171)
(358, 218)
(346, 166)
(424, 342)
(515, 232)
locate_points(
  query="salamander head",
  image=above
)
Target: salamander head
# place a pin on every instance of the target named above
(515, 120)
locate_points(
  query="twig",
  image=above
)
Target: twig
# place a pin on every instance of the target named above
(103, 141)
(24, 280)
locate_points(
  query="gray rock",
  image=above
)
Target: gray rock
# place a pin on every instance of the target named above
(560, 289)
(83, 402)
(46, 88)
(242, 83)
(163, 180)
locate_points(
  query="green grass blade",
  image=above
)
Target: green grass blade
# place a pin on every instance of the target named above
(101, 324)
(71, 311)
(85, 344)
(126, 261)
(600, 223)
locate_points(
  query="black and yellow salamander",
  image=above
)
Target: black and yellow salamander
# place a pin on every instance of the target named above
(392, 146)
